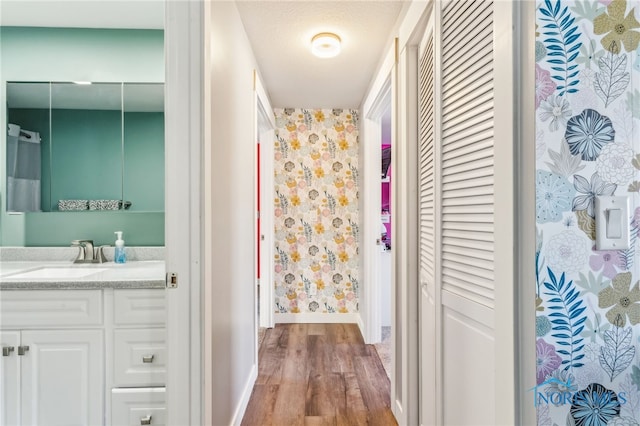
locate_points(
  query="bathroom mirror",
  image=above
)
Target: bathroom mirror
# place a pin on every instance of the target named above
(53, 61)
(76, 146)
(143, 148)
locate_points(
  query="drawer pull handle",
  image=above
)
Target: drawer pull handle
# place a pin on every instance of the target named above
(146, 420)
(22, 350)
(6, 350)
(147, 359)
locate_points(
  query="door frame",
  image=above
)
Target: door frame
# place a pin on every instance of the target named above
(430, 400)
(184, 54)
(524, 16)
(379, 96)
(392, 85)
(265, 137)
(372, 140)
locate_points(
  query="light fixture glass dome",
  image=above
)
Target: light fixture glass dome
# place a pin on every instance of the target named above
(325, 45)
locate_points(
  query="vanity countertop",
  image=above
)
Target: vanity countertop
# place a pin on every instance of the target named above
(66, 275)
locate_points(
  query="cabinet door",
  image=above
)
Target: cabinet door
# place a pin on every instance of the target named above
(62, 377)
(9, 378)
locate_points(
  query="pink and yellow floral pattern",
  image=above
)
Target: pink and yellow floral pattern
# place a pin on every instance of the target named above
(316, 211)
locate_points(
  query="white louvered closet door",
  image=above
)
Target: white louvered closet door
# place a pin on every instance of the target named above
(457, 215)
(427, 246)
(467, 210)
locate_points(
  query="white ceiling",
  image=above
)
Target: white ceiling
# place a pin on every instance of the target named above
(280, 33)
(144, 14)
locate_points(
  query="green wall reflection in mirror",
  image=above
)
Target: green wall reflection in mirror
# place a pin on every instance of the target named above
(101, 146)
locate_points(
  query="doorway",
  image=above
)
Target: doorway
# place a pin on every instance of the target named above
(264, 134)
(385, 243)
(378, 310)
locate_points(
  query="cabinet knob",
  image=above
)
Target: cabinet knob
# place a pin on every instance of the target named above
(22, 350)
(146, 420)
(148, 359)
(6, 350)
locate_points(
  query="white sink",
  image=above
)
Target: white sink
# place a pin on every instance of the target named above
(58, 273)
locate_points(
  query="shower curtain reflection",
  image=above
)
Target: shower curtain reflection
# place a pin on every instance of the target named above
(23, 170)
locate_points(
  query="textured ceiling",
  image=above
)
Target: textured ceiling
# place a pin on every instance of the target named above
(280, 33)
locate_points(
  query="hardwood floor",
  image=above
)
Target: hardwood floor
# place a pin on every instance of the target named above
(318, 375)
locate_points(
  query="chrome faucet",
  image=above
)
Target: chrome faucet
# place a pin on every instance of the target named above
(86, 253)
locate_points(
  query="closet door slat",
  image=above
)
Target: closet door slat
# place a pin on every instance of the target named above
(426, 165)
(467, 144)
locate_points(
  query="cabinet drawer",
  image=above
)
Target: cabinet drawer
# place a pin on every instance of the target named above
(50, 308)
(139, 307)
(135, 407)
(139, 357)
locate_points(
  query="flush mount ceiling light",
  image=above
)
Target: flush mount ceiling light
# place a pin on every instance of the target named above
(325, 45)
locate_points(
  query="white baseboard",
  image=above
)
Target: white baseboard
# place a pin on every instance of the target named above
(360, 323)
(246, 395)
(398, 412)
(318, 318)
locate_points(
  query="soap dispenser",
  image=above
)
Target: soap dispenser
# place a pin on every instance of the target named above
(120, 255)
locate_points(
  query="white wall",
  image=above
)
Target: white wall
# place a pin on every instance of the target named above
(229, 191)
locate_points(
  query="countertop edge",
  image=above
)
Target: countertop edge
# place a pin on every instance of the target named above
(81, 285)
(132, 275)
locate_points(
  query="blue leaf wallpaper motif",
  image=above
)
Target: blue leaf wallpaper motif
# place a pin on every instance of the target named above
(567, 317)
(561, 40)
(587, 99)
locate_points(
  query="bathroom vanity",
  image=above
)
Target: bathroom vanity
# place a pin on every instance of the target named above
(82, 344)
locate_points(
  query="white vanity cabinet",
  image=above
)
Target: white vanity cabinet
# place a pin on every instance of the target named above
(138, 358)
(9, 378)
(82, 357)
(61, 377)
(52, 369)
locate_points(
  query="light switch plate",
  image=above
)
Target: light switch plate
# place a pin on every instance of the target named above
(604, 204)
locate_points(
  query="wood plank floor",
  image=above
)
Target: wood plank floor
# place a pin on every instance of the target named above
(318, 375)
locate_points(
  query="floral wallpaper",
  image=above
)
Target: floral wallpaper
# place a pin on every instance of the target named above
(587, 144)
(316, 211)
